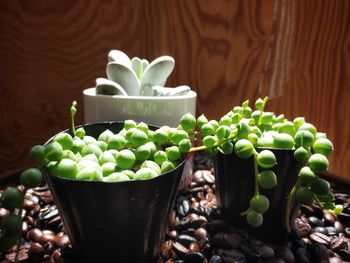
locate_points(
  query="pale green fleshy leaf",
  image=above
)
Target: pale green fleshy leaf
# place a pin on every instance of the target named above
(145, 64)
(155, 74)
(180, 90)
(161, 91)
(108, 87)
(165, 91)
(137, 66)
(120, 57)
(125, 77)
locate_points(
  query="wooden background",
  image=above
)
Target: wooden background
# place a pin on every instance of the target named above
(295, 51)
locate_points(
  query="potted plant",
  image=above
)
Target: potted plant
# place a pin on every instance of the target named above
(134, 89)
(114, 184)
(266, 165)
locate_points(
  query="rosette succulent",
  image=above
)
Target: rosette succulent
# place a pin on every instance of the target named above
(138, 77)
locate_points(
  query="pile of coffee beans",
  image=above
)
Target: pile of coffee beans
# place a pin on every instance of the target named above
(196, 232)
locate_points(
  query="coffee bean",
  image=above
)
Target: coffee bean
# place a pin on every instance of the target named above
(200, 233)
(337, 244)
(232, 255)
(331, 230)
(59, 234)
(185, 240)
(35, 248)
(306, 240)
(46, 197)
(201, 182)
(48, 237)
(46, 258)
(347, 231)
(319, 252)
(209, 178)
(194, 205)
(227, 240)
(329, 218)
(180, 210)
(250, 253)
(210, 197)
(28, 204)
(166, 249)
(314, 221)
(335, 260)
(286, 254)
(35, 234)
(198, 222)
(63, 241)
(24, 227)
(22, 256)
(215, 259)
(49, 247)
(56, 257)
(339, 226)
(302, 255)
(203, 203)
(29, 220)
(34, 211)
(197, 175)
(217, 225)
(172, 234)
(345, 254)
(244, 234)
(3, 212)
(195, 257)
(265, 251)
(320, 238)
(344, 218)
(275, 260)
(319, 229)
(193, 247)
(200, 196)
(182, 223)
(197, 190)
(180, 249)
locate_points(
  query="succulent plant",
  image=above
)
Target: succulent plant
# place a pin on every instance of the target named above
(138, 77)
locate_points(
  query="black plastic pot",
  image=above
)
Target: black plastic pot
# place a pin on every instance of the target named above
(115, 222)
(235, 182)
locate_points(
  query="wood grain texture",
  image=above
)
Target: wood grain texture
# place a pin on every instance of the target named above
(297, 52)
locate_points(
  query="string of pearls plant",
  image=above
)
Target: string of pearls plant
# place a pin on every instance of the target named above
(140, 153)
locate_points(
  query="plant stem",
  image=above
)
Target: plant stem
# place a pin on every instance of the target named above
(73, 110)
(20, 239)
(256, 172)
(73, 125)
(246, 211)
(199, 148)
(256, 176)
(289, 206)
(318, 202)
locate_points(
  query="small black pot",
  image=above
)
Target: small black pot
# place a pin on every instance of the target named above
(115, 222)
(235, 182)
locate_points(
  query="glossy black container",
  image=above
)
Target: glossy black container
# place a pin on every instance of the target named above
(235, 182)
(115, 222)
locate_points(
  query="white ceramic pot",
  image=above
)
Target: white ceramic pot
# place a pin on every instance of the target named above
(158, 111)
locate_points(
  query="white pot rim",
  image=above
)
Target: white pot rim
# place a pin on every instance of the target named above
(91, 92)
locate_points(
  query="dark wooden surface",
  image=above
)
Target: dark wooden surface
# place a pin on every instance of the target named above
(296, 52)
